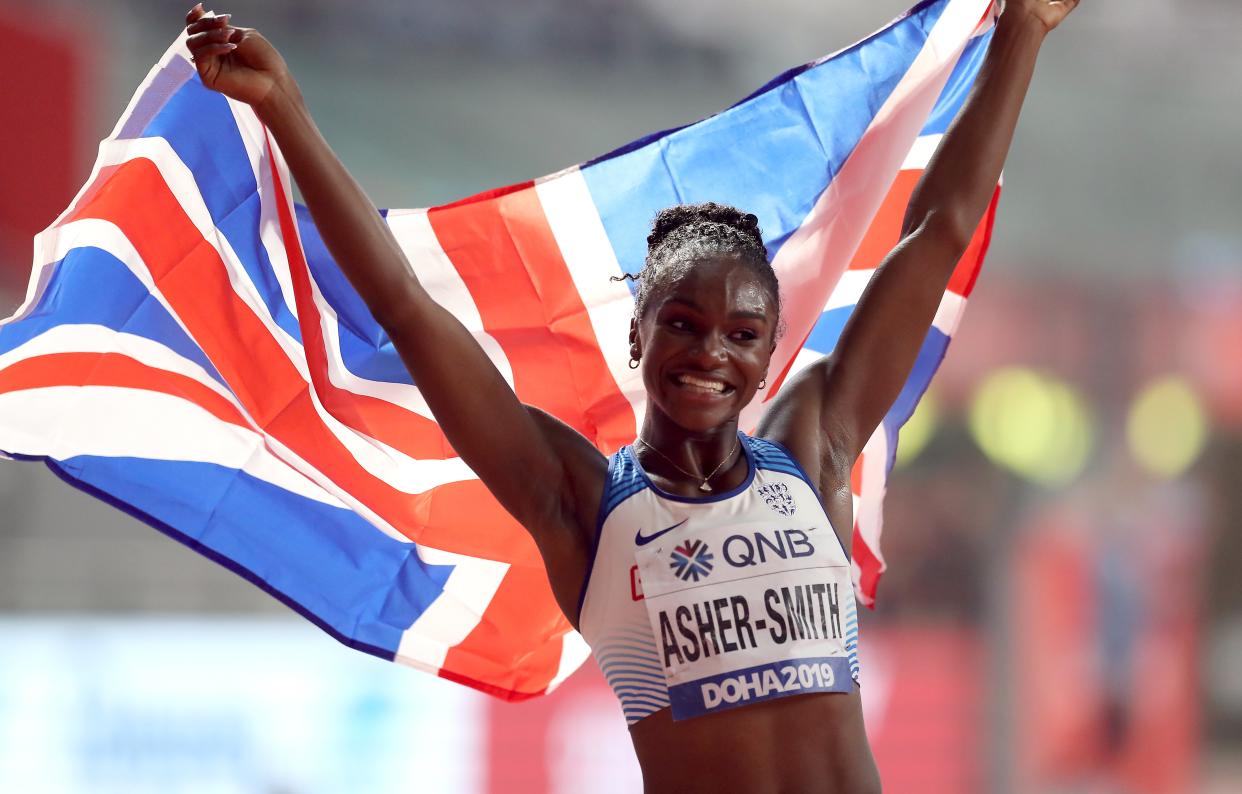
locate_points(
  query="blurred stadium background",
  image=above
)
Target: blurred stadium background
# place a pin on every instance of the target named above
(1063, 611)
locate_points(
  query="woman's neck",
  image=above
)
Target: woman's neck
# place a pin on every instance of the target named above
(688, 458)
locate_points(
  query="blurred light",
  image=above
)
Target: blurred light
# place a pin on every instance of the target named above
(1033, 424)
(918, 430)
(1167, 428)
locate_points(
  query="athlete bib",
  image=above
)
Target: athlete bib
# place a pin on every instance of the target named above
(746, 612)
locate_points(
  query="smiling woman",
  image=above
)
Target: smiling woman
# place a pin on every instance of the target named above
(646, 550)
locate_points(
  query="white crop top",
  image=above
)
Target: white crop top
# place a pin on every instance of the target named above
(705, 604)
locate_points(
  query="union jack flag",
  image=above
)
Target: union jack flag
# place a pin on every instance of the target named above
(189, 352)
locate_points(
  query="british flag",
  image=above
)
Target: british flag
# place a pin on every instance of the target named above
(189, 352)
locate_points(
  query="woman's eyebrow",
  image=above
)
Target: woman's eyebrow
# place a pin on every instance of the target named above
(684, 302)
(748, 314)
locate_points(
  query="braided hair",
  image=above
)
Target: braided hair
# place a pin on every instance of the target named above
(684, 234)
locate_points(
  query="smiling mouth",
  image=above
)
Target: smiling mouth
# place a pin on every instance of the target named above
(702, 385)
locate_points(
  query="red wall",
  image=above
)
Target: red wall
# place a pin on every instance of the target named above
(45, 119)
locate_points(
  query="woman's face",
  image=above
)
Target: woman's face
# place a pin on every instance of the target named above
(705, 343)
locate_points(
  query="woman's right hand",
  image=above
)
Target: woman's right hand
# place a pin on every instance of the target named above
(237, 62)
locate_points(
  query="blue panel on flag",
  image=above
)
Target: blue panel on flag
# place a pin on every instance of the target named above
(325, 561)
(958, 87)
(72, 297)
(365, 349)
(199, 126)
(827, 330)
(772, 154)
(930, 355)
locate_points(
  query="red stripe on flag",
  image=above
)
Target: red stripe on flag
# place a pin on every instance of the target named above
(968, 269)
(393, 425)
(113, 369)
(522, 615)
(194, 280)
(538, 318)
(885, 232)
(541, 323)
(511, 613)
(484, 530)
(869, 566)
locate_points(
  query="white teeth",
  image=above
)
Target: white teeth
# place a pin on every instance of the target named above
(713, 386)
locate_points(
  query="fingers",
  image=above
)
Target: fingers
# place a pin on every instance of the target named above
(210, 35)
(209, 23)
(212, 42)
(220, 36)
(207, 52)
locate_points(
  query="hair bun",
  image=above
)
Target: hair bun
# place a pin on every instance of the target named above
(670, 219)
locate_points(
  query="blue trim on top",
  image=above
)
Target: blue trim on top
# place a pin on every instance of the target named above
(750, 477)
(620, 483)
(781, 451)
(791, 465)
(624, 482)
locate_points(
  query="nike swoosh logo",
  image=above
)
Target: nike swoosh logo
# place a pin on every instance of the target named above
(643, 540)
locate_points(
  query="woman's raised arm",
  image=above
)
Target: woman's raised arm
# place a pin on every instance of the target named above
(541, 471)
(827, 414)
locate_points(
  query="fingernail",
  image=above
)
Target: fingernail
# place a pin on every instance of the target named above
(232, 46)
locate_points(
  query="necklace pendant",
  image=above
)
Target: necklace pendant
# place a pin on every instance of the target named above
(705, 487)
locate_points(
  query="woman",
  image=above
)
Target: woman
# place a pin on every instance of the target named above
(694, 561)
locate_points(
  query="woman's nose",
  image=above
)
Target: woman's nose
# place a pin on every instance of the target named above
(710, 348)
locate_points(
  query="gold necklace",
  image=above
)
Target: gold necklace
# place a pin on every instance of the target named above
(704, 486)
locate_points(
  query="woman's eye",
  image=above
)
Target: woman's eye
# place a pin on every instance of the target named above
(680, 325)
(745, 335)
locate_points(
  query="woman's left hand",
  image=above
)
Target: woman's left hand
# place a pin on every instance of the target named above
(1049, 13)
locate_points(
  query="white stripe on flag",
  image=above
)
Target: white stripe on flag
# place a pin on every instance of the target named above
(403, 395)
(455, 613)
(574, 651)
(869, 507)
(254, 138)
(396, 469)
(140, 424)
(100, 339)
(921, 152)
(437, 275)
(592, 264)
(819, 251)
(184, 188)
(854, 282)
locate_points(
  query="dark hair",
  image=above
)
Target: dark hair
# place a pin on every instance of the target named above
(688, 233)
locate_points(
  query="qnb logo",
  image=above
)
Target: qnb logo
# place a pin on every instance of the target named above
(692, 561)
(755, 548)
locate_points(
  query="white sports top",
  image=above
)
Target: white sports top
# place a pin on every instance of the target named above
(704, 604)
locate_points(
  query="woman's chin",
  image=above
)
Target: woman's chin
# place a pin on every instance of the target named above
(699, 418)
